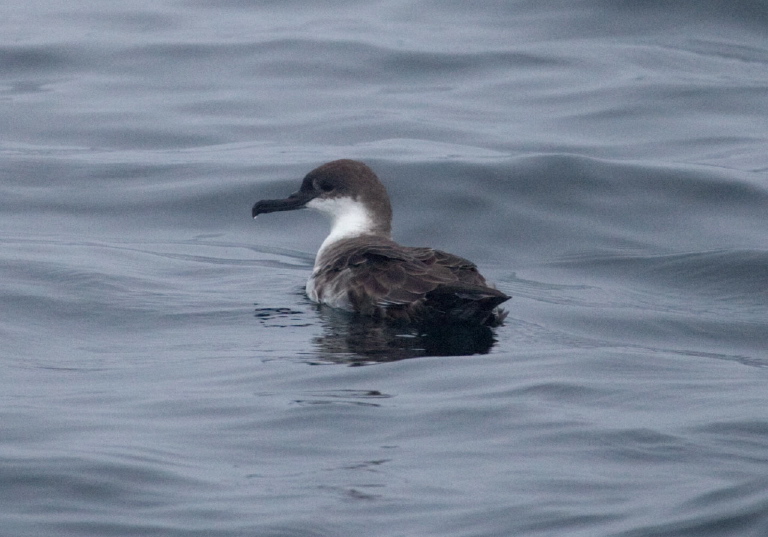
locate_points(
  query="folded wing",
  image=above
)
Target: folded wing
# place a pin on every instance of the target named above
(386, 280)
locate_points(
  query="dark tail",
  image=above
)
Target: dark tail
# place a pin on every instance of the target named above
(471, 304)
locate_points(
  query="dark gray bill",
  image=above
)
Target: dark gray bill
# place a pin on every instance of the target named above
(295, 201)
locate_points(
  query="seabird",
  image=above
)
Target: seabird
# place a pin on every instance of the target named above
(359, 267)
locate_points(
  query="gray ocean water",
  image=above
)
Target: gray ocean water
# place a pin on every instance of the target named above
(162, 372)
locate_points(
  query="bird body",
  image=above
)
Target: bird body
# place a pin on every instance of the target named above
(360, 268)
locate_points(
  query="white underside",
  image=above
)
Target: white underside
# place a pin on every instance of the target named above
(336, 297)
(349, 219)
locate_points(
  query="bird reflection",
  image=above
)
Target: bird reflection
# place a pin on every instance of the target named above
(357, 340)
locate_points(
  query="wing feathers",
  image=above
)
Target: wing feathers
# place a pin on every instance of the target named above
(383, 279)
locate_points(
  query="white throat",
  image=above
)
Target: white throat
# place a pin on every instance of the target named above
(349, 218)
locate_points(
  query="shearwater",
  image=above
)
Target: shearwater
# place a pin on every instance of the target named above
(359, 267)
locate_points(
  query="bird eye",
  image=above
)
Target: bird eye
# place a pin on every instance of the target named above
(325, 186)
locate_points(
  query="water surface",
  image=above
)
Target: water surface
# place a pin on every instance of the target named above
(162, 372)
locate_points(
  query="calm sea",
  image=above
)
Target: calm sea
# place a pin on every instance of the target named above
(163, 374)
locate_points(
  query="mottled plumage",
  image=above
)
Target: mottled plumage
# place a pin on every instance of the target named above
(359, 268)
